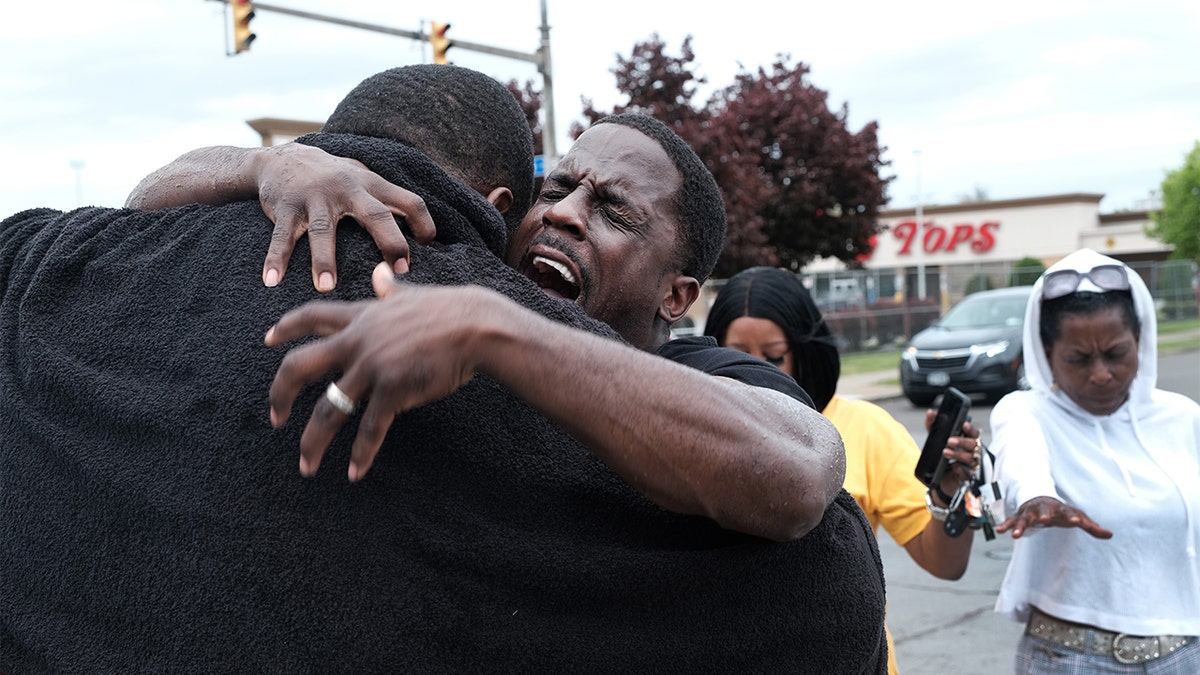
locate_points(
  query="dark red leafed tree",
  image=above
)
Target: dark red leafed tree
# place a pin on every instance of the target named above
(530, 100)
(658, 85)
(814, 185)
(798, 184)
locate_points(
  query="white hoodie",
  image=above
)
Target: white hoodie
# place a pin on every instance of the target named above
(1135, 472)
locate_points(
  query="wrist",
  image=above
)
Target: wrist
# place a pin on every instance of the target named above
(943, 498)
(938, 513)
(500, 335)
(244, 181)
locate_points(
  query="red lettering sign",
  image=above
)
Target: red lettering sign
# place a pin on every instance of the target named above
(986, 239)
(962, 234)
(905, 232)
(936, 238)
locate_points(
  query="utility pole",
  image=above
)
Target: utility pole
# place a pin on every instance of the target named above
(540, 58)
(549, 149)
(77, 166)
(919, 251)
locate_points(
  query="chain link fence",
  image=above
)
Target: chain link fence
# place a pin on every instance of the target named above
(866, 309)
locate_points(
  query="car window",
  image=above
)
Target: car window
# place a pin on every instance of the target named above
(981, 311)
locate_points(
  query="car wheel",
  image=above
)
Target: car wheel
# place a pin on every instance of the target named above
(920, 400)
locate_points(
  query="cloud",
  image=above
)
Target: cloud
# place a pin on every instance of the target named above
(1026, 98)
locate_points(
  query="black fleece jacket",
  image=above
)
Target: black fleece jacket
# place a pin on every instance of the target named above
(151, 520)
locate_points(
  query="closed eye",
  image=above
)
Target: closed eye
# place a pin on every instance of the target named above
(555, 188)
(618, 218)
(552, 195)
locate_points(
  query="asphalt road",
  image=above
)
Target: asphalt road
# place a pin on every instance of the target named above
(950, 626)
(1179, 371)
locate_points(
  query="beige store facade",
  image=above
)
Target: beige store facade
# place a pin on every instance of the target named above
(946, 250)
(953, 246)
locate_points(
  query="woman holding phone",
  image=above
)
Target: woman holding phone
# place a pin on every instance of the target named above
(767, 312)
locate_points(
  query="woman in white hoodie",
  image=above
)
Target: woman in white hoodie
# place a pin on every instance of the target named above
(1100, 473)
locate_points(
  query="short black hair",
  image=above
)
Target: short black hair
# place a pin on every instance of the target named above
(1084, 303)
(466, 122)
(697, 203)
(778, 296)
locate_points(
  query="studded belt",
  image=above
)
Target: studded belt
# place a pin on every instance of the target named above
(1126, 649)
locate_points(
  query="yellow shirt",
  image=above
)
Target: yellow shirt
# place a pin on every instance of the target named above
(880, 459)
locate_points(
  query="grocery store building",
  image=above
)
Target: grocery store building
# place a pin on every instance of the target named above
(951, 245)
(944, 251)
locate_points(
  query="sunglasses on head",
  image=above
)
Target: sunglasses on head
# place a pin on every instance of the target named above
(1064, 282)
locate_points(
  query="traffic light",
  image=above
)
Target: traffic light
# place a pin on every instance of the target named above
(437, 38)
(243, 11)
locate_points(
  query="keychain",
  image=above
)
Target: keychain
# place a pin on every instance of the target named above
(967, 508)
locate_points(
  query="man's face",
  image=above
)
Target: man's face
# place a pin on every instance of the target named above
(603, 233)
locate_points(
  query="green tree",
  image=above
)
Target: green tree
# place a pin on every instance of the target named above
(1178, 222)
(1026, 271)
(798, 183)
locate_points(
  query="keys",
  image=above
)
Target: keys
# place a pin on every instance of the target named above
(967, 509)
(959, 519)
(980, 512)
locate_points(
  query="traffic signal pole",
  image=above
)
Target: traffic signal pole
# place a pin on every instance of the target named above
(540, 58)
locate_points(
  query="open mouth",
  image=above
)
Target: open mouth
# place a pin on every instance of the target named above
(554, 277)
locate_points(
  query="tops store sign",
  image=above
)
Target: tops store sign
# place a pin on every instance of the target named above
(970, 233)
(933, 238)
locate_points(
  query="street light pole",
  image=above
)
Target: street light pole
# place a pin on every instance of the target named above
(919, 251)
(549, 146)
(77, 165)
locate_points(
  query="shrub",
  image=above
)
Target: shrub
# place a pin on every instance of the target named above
(1026, 271)
(979, 282)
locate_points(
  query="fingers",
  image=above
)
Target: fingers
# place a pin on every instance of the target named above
(306, 190)
(310, 363)
(377, 219)
(1049, 512)
(300, 367)
(1024, 520)
(965, 452)
(372, 429)
(324, 423)
(322, 241)
(383, 281)
(1090, 526)
(962, 448)
(969, 430)
(930, 416)
(327, 420)
(1018, 526)
(412, 208)
(283, 242)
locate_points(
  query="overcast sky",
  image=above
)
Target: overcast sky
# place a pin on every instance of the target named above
(1017, 99)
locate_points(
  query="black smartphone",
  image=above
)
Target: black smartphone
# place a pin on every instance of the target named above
(951, 415)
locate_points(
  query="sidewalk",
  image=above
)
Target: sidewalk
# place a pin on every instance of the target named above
(874, 386)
